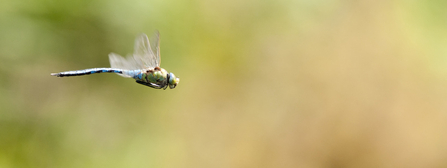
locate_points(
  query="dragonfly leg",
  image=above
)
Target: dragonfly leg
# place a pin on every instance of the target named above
(155, 86)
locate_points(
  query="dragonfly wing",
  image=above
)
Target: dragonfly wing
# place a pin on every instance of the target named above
(128, 63)
(155, 46)
(143, 52)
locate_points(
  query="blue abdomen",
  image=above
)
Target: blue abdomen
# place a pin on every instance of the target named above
(88, 72)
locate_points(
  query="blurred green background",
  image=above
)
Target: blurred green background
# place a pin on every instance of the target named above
(295, 83)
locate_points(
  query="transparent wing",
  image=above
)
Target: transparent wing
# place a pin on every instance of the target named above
(143, 52)
(155, 46)
(128, 63)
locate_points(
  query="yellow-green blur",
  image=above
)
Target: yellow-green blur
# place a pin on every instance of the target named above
(272, 83)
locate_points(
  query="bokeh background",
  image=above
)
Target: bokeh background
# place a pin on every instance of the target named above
(290, 83)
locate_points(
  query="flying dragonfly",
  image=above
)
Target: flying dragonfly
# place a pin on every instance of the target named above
(143, 65)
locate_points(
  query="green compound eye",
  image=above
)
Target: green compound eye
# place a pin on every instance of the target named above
(171, 78)
(173, 81)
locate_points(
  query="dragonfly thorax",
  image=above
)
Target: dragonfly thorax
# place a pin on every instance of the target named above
(157, 78)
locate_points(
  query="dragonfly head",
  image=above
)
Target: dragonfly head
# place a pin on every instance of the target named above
(173, 81)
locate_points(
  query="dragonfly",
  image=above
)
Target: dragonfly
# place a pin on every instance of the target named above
(143, 65)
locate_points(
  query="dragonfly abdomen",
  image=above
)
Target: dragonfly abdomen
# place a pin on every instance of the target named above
(88, 72)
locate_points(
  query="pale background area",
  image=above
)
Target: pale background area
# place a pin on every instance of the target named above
(296, 83)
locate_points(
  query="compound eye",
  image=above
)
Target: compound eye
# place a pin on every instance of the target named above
(171, 78)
